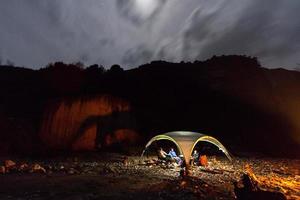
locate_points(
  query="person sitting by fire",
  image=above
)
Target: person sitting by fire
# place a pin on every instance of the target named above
(195, 158)
(162, 154)
(174, 156)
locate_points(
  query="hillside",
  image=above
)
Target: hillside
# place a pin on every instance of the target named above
(233, 98)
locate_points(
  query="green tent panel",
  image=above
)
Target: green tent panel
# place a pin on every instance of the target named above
(186, 142)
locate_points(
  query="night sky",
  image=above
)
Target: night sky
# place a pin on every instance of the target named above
(131, 32)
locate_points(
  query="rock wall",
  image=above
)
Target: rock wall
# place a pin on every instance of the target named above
(86, 122)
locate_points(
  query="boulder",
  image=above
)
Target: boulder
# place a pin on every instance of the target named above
(247, 189)
(9, 164)
(72, 171)
(23, 167)
(36, 168)
(2, 170)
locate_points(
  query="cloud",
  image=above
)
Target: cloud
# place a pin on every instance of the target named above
(265, 29)
(132, 32)
(138, 55)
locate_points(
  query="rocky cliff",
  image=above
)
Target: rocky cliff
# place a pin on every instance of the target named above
(87, 122)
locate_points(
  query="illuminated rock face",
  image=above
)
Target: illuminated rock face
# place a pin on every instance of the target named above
(83, 123)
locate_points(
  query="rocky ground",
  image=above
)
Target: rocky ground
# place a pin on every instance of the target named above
(114, 176)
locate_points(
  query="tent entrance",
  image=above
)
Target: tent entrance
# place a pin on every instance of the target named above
(186, 142)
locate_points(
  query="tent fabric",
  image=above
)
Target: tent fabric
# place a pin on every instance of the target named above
(186, 142)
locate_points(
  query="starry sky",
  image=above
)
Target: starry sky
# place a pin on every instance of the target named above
(34, 33)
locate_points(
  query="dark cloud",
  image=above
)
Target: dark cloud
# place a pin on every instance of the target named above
(131, 32)
(266, 29)
(137, 56)
(260, 31)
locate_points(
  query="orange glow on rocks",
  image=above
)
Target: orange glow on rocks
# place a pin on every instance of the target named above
(288, 185)
(86, 141)
(73, 123)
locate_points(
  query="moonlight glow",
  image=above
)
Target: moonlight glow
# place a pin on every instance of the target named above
(145, 8)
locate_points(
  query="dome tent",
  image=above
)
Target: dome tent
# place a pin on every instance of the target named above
(186, 142)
